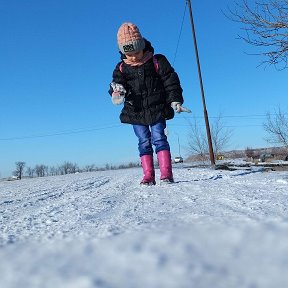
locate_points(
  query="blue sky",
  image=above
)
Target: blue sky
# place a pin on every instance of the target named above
(56, 62)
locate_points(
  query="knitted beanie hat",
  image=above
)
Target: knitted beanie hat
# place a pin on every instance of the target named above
(129, 39)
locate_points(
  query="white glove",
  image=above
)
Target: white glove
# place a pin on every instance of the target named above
(118, 95)
(117, 98)
(177, 106)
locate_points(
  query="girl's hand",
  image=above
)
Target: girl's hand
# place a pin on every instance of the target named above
(117, 98)
(118, 88)
(118, 95)
(177, 106)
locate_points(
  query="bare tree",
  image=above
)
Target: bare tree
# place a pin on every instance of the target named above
(276, 126)
(53, 171)
(19, 169)
(89, 168)
(68, 168)
(41, 170)
(220, 135)
(249, 152)
(30, 172)
(198, 143)
(265, 25)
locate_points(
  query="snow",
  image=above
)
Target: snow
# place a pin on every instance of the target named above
(212, 228)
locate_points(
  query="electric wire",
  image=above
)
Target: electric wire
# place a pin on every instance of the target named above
(60, 133)
(233, 116)
(93, 129)
(180, 33)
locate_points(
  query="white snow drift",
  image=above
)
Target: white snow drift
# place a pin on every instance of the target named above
(210, 229)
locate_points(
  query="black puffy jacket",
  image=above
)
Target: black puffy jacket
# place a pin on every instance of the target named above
(149, 92)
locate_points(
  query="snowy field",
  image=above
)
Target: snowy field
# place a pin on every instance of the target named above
(210, 229)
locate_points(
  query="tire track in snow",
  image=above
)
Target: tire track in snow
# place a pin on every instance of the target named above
(110, 203)
(44, 209)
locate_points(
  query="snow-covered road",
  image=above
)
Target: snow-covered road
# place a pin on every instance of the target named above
(210, 229)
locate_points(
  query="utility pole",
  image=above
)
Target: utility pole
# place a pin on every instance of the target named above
(211, 153)
(178, 144)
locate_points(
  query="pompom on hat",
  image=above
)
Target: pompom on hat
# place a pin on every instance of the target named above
(130, 39)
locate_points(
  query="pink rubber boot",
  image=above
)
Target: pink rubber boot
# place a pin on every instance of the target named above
(148, 170)
(164, 160)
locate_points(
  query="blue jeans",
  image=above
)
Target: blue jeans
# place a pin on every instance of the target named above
(156, 137)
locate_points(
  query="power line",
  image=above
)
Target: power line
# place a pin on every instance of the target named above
(180, 33)
(92, 129)
(66, 132)
(224, 126)
(234, 116)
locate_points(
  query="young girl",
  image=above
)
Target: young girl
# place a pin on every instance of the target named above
(150, 90)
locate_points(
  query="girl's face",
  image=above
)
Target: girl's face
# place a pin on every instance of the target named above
(135, 57)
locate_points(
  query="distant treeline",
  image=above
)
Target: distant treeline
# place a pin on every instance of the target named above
(42, 170)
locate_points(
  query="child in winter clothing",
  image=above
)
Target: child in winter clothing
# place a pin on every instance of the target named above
(150, 90)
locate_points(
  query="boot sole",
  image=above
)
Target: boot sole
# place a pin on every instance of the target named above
(148, 183)
(166, 181)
